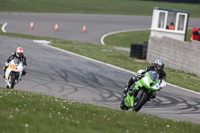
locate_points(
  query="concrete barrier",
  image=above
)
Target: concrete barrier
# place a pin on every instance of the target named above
(178, 55)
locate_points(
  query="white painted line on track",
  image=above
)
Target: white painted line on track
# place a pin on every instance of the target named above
(3, 27)
(68, 52)
(42, 41)
(115, 32)
(183, 88)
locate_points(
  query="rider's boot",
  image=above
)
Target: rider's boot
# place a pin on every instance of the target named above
(125, 90)
(129, 84)
(153, 96)
(4, 68)
(24, 72)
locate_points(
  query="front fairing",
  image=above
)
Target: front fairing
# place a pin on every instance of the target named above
(150, 81)
(19, 65)
(15, 66)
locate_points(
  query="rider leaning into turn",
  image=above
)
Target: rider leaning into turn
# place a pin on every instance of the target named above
(19, 53)
(158, 66)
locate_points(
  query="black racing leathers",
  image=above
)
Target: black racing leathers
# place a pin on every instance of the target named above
(22, 59)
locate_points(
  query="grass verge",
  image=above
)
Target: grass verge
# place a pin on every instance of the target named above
(123, 7)
(29, 112)
(118, 58)
(125, 39)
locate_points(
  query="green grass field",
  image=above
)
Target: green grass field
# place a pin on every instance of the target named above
(29, 113)
(123, 7)
(125, 39)
(24, 112)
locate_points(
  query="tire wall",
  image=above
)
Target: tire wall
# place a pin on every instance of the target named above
(178, 55)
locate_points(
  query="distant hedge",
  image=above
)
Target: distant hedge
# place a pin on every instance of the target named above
(178, 1)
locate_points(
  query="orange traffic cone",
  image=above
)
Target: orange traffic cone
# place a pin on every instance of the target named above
(31, 25)
(84, 28)
(56, 27)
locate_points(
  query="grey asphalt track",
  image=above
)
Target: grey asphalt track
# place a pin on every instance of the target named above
(56, 73)
(70, 25)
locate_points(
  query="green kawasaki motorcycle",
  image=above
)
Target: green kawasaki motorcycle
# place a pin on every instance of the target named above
(141, 91)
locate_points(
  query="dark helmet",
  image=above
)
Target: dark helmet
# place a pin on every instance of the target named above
(159, 63)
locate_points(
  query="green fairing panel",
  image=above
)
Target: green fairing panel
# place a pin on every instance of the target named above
(129, 101)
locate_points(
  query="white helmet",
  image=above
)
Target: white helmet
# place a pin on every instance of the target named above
(19, 52)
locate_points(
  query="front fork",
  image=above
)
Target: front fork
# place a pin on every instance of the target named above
(132, 94)
(151, 93)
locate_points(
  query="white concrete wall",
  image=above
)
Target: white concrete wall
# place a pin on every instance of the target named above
(178, 55)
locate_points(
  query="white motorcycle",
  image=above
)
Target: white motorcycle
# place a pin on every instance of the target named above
(13, 73)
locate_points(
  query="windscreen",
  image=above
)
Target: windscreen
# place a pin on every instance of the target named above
(16, 61)
(153, 75)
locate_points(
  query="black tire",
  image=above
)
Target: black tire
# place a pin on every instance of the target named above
(122, 105)
(13, 77)
(141, 101)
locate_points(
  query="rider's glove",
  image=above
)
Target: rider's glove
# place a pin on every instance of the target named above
(6, 63)
(125, 90)
(143, 72)
(139, 76)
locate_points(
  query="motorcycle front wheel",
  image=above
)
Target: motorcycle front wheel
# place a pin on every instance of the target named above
(13, 77)
(141, 101)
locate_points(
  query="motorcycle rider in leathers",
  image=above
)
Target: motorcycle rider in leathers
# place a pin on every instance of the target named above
(158, 66)
(19, 53)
